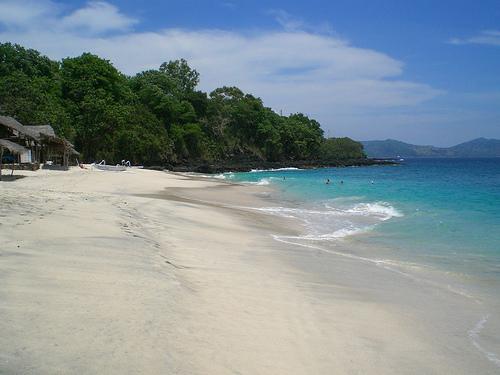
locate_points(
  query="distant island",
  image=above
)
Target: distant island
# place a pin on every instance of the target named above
(390, 148)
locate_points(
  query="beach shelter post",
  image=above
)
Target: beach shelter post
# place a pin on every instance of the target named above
(1, 158)
(1, 163)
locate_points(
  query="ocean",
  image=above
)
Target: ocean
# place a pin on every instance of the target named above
(435, 220)
(441, 212)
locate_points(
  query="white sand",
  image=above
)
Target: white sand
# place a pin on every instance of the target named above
(101, 273)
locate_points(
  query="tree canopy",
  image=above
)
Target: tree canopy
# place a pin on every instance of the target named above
(155, 117)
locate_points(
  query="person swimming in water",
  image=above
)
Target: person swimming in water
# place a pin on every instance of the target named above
(327, 181)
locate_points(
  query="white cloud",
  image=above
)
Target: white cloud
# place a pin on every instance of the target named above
(286, 20)
(97, 17)
(291, 23)
(488, 37)
(47, 16)
(295, 70)
(15, 14)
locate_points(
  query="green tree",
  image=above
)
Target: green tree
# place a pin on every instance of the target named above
(96, 95)
(301, 137)
(341, 149)
(234, 118)
(155, 117)
(142, 138)
(30, 89)
(158, 91)
(89, 75)
(184, 77)
(189, 141)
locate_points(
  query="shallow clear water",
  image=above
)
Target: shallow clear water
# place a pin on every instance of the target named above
(441, 212)
(436, 222)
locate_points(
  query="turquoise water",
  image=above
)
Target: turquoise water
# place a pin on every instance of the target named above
(441, 212)
(435, 222)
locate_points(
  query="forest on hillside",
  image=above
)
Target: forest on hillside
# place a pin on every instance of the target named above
(157, 117)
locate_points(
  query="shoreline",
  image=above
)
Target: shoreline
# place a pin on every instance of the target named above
(249, 165)
(152, 272)
(480, 306)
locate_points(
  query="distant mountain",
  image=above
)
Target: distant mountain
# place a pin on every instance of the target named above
(390, 148)
(477, 148)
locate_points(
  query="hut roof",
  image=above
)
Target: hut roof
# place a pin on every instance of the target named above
(70, 147)
(13, 124)
(37, 132)
(12, 147)
(47, 133)
(73, 151)
(59, 141)
(46, 130)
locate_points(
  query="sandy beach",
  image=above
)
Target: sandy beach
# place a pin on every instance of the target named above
(147, 272)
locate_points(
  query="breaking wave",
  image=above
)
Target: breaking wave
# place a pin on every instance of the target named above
(325, 222)
(262, 181)
(383, 210)
(274, 170)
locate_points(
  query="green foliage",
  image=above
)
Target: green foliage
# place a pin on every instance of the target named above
(189, 141)
(179, 72)
(301, 137)
(89, 75)
(14, 58)
(341, 148)
(142, 139)
(156, 116)
(30, 89)
(159, 92)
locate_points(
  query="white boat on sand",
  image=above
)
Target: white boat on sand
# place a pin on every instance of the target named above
(103, 167)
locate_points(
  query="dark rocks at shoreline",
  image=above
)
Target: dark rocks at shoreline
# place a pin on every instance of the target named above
(248, 165)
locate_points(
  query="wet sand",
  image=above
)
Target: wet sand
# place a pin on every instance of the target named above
(149, 272)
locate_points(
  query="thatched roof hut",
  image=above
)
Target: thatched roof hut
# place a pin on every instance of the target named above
(54, 151)
(41, 144)
(41, 130)
(13, 131)
(14, 148)
(16, 127)
(46, 134)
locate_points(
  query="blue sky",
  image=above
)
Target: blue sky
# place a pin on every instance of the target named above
(426, 72)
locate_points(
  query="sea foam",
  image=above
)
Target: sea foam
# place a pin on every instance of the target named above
(274, 170)
(325, 221)
(474, 335)
(383, 210)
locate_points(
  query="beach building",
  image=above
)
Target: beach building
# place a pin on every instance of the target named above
(14, 132)
(53, 151)
(12, 148)
(26, 147)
